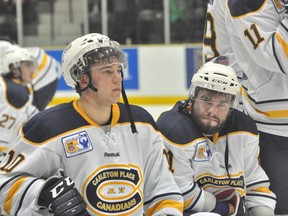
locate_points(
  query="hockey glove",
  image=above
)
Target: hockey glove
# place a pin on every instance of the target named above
(61, 197)
(236, 202)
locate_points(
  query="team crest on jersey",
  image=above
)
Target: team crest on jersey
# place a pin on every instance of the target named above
(279, 5)
(203, 152)
(114, 189)
(76, 144)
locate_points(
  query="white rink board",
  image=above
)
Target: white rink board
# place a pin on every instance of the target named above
(156, 110)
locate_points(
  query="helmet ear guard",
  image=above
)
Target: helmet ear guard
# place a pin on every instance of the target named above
(216, 77)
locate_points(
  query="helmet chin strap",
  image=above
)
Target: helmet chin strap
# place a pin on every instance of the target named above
(127, 106)
(126, 103)
(91, 86)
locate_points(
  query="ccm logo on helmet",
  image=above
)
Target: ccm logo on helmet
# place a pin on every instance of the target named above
(219, 81)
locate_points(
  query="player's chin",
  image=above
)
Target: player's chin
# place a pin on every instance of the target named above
(115, 98)
(27, 81)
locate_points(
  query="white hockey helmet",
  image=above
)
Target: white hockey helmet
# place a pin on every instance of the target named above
(86, 51)
(14, 56)
(216, 77)
(4, 45)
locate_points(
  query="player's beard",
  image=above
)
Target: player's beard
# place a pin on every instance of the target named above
(206, 128)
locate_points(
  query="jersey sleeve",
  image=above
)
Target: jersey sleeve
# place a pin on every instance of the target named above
(20, 180)
(262, 29)
(162, 196)
(180, 163)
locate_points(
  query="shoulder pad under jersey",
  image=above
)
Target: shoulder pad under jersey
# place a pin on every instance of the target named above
(243, 7)
(17, 95)
(52, 122)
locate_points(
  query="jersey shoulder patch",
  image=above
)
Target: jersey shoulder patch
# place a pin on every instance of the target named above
(177, 126)
(239, 121)
(17, 95)
(52, 122)
(279, 5)
(243, 7)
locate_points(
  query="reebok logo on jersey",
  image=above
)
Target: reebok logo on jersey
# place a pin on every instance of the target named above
(76, 144)
(112, 154)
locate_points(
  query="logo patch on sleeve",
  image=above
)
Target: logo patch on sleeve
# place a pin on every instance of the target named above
(76, 144)
(203, 152)
(279, 5)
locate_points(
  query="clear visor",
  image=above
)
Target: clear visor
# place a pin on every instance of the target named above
(29, 64)
(208, 102)
(227, 101)
(109, 67)
(99, 58)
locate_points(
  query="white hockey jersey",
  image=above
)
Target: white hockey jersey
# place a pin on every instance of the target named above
(15, 109)
(117, 172)
(259, 38)
(199, 164)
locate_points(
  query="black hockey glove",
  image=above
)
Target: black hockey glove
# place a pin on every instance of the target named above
(61, 197)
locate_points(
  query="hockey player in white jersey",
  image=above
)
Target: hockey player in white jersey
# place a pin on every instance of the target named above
(15, 98)
(258, 32)
(45, 79)
(213, 148)
(112, 151)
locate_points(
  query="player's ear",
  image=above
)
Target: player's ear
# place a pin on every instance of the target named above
(15, 71)
(84, 80)
(190, 105)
